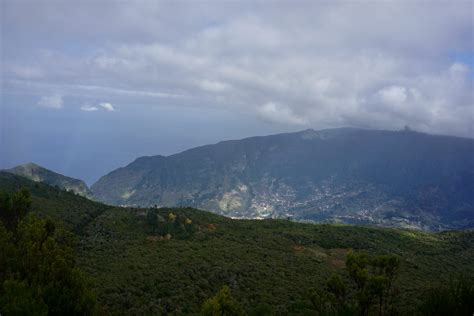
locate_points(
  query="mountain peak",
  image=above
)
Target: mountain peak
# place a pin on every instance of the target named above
(38, 173)
(30, 165)
(310, 133)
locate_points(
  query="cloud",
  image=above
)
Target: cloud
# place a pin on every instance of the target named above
(213, 86)
(322, 64)
(107, 106)
(393, 95)
(89, 108)
(279, 113)
(459, 69)
(27, 72)
(54, 101)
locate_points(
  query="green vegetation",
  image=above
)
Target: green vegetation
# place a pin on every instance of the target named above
(38, 274)
(221, 304)
(74, 210)
(455, 299)
(173, 261)
(166, 226)
(371, 281)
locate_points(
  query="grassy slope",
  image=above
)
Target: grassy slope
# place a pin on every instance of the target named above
(271, 261)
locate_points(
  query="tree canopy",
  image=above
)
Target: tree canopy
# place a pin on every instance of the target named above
(38, 275)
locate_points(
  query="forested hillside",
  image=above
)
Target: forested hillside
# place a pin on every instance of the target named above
(171, 260)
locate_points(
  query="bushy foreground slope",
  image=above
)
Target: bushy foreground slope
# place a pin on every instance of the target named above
(140, 265)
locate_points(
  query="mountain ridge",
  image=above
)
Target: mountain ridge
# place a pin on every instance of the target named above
(38, 173)
(309, 131)
(287, 174)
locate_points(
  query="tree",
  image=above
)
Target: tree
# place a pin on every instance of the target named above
(38, 274)
(455, 299)
(337, 288)
(221, 304)
(356, 266)
(373, 278)
(14, 208)
(333, 300)
(262, 309)
(152, 219)
(322, 302)
(385, 269)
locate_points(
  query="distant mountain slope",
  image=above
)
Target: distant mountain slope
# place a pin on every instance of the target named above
(404, 178)
(39, 174)
(74, 210)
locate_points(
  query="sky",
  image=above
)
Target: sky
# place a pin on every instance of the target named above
(88, 86)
